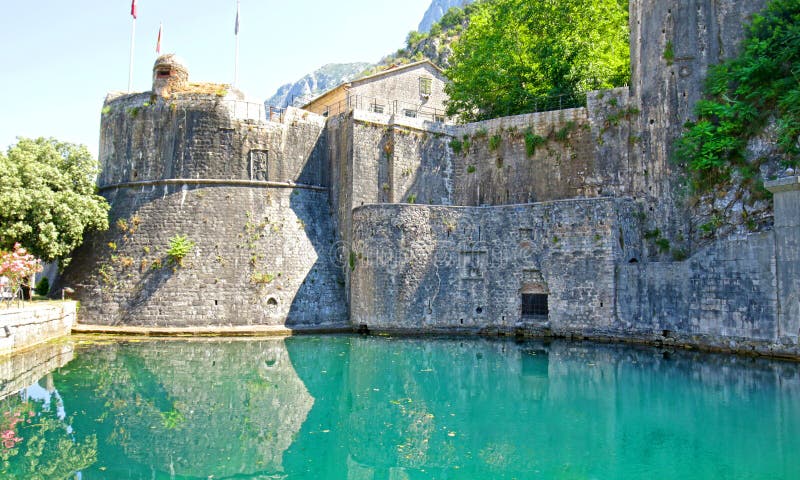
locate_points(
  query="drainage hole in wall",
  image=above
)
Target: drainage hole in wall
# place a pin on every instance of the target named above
(479, 310)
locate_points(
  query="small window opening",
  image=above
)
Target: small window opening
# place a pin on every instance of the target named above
(425, 86)
(377, 108)
(410, 113)
(479, 310)
(272, 302)
(216, 302)
(163, 72)
(534, 304)
(438, 118)
(461, 321)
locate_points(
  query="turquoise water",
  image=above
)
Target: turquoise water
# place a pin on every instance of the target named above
(376, 408)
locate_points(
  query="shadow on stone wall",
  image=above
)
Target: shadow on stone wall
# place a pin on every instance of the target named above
(321, 298)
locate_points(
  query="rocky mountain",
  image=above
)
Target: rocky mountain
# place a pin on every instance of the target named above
(436, 11)
(315, 83)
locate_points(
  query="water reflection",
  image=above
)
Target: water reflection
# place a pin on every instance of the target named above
(36, 437)
(377, 408)
(187, 410)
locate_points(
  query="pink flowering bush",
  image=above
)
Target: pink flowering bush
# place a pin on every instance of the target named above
(17, 265)
(8, 433)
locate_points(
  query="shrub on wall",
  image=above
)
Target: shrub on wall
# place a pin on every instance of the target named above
(744, 96)
(179, 247)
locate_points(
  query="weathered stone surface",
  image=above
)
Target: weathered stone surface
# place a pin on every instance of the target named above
(29, 366)
(466, 267)
(24, 326)
(326, 203)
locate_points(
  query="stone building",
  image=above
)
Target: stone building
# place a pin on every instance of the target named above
(412, 90)
(545, 223)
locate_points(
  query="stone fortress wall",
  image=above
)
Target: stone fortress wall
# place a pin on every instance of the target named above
(253, 195)
(399, 223)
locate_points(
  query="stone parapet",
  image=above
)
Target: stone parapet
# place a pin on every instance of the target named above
(34, 323)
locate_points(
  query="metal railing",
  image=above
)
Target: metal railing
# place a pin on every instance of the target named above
(7, 296)
(242, 110)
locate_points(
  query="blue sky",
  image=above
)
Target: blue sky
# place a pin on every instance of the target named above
(59, 58)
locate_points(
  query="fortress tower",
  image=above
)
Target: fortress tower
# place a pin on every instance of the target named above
(195, 160)
(169, 75)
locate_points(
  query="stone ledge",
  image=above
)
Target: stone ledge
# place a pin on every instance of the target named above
(701, 343)
(786, 184)
(210, 331)
(212, 182)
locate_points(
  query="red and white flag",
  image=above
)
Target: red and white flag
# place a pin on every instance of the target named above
(158, 43)
(133, 9)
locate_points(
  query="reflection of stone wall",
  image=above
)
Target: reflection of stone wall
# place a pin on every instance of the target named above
(426, 406)
(238, 420)
(25, 368)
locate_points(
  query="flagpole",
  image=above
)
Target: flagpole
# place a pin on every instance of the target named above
(130, 67)
(236, 57)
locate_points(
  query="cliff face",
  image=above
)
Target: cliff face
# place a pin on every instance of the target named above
(316, 82)
(436, 11)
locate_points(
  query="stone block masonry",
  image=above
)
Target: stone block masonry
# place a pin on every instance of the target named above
(261, 258)
(33, 323)
(468, 268)
(251, 194)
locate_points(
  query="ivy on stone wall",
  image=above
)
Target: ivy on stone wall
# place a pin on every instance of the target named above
(760, 89)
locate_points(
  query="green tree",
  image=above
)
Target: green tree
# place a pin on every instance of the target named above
(514, 53)
(742, 97)
(48, 198)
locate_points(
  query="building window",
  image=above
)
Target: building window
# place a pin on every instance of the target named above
(425, 86)
(438, 118)
(534, 304)
(377, 108)
(410, 113)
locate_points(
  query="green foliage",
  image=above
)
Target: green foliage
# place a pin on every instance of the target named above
(451, 18)
(669, 52)
(179, 247)
(456, 145)
(662, 244)
(516, 53)
(39, 445)
(742, 97)
(562, 135)
(414, 37)
(48, 197)
(652, 234)
(352, 260)
(42, 287)
(532, 142)
(494, 142)
(262, 278)
(471, 169)
(412, 198)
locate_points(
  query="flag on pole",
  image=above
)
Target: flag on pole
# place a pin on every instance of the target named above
(158, 44)
(236, 31)
(133, 9)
